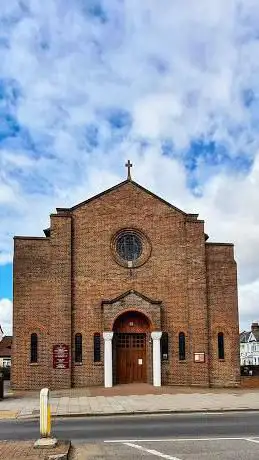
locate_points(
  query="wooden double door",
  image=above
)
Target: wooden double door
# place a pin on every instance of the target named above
(131, 357)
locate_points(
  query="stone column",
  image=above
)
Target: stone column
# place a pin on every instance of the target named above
(156, 336)
(107, 359)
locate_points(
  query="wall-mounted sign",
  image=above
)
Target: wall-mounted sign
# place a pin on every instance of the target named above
(140, 362)
(60, 356)
(199, 357)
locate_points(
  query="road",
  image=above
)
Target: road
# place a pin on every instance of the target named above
(96, 429)
(207, 436)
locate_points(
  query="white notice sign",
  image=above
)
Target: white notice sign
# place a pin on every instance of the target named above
(140, 362)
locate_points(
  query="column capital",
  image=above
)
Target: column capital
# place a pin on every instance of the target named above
(156, 335)
(107, 335)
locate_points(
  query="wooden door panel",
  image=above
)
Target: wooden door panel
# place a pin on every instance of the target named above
(131, 358)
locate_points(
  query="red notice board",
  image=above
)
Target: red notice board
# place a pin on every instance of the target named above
(60, 356)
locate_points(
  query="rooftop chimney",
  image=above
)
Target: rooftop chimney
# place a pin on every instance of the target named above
(255, 327)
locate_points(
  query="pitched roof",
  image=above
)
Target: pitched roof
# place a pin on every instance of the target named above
(121, 184)
(255, 333)
(249, 336)
(244, 336)
(5, 346)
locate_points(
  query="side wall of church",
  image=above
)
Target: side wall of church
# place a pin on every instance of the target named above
(223, 313)
(60, 321)
(31, 311)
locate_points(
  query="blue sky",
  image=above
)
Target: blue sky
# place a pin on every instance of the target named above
(174, 86)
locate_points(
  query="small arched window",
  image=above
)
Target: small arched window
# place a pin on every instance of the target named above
(34, 348)
(97, 347)
(221, 351)
(78, 348)
(164, 346)
(182, 346)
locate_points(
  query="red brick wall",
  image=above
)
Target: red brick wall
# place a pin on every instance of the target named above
(79, 271)
(164, 276)
(60, 321)
(223, 313)
(31, 311)
(197, 301)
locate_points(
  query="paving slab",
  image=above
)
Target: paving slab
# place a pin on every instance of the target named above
(7, 414)
(21, 450)
(182, 400)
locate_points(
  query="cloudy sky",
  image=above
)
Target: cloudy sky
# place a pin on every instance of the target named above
(174, 86)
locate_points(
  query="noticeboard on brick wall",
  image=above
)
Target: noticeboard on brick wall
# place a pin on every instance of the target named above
(199, 357)
(60, 356)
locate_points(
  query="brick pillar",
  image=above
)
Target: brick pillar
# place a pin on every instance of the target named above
(60, 287)
(223, 313)
(198, 334)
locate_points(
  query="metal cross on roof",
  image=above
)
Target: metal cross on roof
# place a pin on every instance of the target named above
(128, 165)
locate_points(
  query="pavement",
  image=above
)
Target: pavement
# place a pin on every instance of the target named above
(129, 399)
(14, 450)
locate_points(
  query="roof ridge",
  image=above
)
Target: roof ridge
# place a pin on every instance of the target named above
(115, 187)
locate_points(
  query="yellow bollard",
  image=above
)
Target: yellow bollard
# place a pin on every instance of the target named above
(44, 413)
(49, 421)
(45, 421)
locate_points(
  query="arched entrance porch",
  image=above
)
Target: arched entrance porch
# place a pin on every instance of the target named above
(130, 347)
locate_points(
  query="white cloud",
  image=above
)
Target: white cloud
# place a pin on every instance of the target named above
(6, 311)
(181, 70)
(248, 297)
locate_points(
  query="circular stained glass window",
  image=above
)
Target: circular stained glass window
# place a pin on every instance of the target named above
(129, 246)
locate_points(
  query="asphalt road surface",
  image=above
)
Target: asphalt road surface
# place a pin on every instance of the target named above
(206, 436)
(172, 449)
(234, 424)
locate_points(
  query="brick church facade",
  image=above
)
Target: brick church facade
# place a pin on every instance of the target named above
(124, 287)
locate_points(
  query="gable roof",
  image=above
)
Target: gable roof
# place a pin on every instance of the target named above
(5, 346)
(121, 184)
(132, 291)
(244, 336)
(249, 336)
(254, 336)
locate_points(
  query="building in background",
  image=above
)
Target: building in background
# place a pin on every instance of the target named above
(249, 346)
(123, 288)
(5, 351)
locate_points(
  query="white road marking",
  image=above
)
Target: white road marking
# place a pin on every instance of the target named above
(252, 440)
(151, 451)
(125, 441)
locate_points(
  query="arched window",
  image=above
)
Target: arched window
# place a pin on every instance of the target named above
(97, 347)
(78, 348)
(34, 348)
(164, 346)
(182, 346)
(221, 351)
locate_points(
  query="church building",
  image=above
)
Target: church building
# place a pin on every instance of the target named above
(124, 287)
